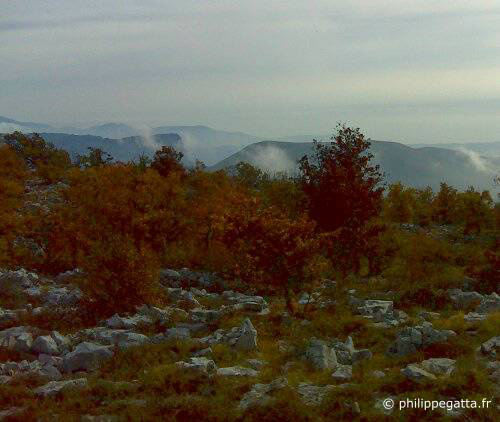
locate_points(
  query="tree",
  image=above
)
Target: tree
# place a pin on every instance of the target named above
(115, 223)
(95, 158)
(50, 163)
(273, 252)
(344, 192)
(398, 205)
(167, 160)
(444, 206)
(12, 177)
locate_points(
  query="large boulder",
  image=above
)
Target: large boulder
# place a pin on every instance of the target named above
(411, 339)
(320, 355)
(86, 357)
(63, 343)
(45, 345)
(247, 339)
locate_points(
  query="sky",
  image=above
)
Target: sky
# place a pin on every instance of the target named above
(403, 70)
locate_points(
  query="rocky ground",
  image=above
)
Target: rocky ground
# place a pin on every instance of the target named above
(232, 353)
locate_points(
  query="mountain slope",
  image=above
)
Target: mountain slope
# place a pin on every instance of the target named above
(418, 167)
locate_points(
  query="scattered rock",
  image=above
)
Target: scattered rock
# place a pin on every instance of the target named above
(416, 373)
(411, 339)
(342, 372)
(489, 304)
(131, 323)
(256, 364)
(347, 354)
(200, 364)
(54, 387)
(86, 357)
(320, 355)
(491, 348)
(438, 366)
(243, 337)
(463, 300)
(237, 371)
(259, 394)
(313, 395)
(45, 345)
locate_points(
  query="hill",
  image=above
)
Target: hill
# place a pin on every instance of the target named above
(417, 167)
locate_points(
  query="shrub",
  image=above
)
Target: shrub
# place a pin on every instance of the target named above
(12, 177)
(49, 162)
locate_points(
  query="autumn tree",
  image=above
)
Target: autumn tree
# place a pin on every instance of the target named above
(115, 223)
(475, 211)
(167, 160)
(49, 162)
(343, 192)
(96, 157)
(273, 252)
(444, 205)
(399, 204)
(12, 177)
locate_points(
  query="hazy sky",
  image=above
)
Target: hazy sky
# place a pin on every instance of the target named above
(407, 70)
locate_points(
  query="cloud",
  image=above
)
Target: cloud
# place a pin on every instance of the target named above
(268, 68)
(11, 127)
(479, 163)
(274, 160)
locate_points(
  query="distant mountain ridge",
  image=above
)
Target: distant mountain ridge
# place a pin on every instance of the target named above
(417, 167)
(198, 142)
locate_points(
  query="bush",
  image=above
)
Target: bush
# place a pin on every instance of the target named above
(115, 224)
(49, 162)
(12, 177)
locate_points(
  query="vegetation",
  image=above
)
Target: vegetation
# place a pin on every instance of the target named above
(120, 223)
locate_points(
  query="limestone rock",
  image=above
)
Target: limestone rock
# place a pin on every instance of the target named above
(196, 364)
(86, 357)
(259, 395)
(313, 395)
(320, 355)
(45, 345)
(54, 387)
(237, 371)
(416, 373)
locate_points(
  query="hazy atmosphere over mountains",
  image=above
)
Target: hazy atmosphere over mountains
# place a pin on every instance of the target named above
(272, 69)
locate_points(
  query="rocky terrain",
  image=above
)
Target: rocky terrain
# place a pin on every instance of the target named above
(349, 346)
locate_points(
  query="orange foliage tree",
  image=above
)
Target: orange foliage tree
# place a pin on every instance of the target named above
(115, 223)
(12, 177)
